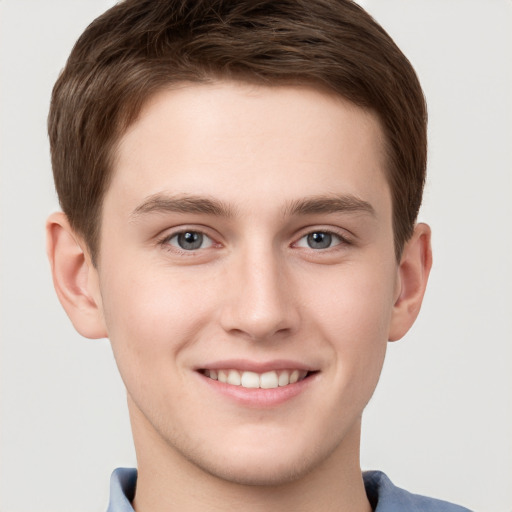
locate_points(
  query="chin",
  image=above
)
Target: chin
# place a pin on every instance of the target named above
(267, 466)
(260, 473)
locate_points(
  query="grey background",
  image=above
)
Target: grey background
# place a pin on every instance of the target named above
(439, 424)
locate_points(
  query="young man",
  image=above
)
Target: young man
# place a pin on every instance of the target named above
(240, 183)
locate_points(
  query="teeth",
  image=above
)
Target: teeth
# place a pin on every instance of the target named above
(234, 378)
(267, 380)
(284, 379)
(250, 380)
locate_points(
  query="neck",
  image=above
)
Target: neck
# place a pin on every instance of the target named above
(168, 481)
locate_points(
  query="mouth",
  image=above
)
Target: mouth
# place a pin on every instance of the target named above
(253, 380)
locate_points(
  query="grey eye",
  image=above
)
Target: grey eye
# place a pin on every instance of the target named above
(190, 240)
(319, 240)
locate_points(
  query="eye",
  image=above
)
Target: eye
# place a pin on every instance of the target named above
(190, 240)
(319, 240)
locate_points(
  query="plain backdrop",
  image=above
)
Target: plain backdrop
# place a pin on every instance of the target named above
(440, 422)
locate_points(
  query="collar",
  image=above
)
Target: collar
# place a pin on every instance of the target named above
(382, 494)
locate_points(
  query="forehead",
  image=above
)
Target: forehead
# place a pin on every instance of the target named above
(242, 141)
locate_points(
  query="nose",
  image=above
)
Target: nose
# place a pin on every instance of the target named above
(259, 302)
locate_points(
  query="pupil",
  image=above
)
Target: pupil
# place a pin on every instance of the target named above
(190, 240)
(319, 240)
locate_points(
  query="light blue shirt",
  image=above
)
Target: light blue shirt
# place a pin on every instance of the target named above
(382, 494)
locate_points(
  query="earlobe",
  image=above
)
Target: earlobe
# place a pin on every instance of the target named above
(413, 273)
(74, 277)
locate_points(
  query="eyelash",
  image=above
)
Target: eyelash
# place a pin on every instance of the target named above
(165, 242)
(343, 241)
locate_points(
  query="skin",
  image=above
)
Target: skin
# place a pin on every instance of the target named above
(263, 168)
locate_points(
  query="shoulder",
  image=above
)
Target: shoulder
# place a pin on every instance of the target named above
(384, 496)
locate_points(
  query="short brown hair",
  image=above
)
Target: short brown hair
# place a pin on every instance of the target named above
(141, 46)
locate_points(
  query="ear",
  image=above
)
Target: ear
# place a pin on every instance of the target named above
(74, 277)
(412, 278)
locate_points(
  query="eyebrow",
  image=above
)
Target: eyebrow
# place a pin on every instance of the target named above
(329, 204)
(161, 203)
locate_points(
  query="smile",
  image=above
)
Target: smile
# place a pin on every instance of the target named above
(253, 380)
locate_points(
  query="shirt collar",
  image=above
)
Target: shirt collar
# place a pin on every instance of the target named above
(382, 494)
(122, 490)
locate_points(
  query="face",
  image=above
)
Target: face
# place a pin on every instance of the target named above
(247, 276)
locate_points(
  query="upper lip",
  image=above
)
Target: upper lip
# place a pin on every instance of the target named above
(257, 366)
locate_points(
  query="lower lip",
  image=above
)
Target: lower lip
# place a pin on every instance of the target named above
(258, 397)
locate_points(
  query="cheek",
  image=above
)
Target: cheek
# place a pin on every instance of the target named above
(151, 321)
(353, 313)
(356, 301)
(152, 315)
